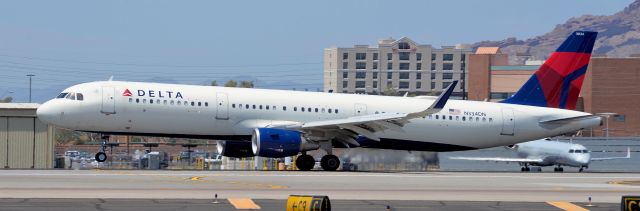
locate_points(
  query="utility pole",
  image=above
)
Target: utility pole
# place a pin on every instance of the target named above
(30, 76)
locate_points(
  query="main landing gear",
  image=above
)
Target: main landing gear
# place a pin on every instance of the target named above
(306, 162)
(102, 156)
(560, 169)
(329, 162)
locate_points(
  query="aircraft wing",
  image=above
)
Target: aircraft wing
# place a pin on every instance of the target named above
(614, 158)
(348, 129)
(499, 159)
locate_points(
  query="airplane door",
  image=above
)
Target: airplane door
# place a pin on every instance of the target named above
(360, 109)
(508, 122)
(222, 106)
(108, 101)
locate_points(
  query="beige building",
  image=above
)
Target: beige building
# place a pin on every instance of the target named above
(401, 65)
(25, 141)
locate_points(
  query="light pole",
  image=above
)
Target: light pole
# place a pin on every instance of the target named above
(30, 76)
(606, 115)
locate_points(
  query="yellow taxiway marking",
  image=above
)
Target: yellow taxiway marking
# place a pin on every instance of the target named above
(625, 182)
(196, 178)
(566, 206)
(243, 204)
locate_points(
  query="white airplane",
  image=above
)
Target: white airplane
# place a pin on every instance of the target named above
(544, 152)
(279, 123)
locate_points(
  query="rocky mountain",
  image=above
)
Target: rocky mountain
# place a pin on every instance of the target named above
(619, 36)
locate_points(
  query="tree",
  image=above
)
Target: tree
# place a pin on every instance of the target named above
(214, 83)
(246, 84)
(231, 83)
(390, 91)
(6, 99)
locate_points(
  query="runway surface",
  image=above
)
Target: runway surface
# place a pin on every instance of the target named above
(432, 186)
(267, 204)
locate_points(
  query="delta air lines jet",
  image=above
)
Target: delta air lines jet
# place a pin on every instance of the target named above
(279, 123)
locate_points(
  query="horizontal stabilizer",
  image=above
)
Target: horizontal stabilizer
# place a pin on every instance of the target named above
(569, 120)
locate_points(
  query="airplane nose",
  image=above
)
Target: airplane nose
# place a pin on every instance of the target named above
(46, 113)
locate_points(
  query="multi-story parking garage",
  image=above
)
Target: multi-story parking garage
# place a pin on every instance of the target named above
(25, 141)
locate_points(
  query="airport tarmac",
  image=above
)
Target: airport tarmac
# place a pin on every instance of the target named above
(278, 185)
(272, 204)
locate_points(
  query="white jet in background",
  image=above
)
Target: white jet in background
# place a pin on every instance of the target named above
(544, 152)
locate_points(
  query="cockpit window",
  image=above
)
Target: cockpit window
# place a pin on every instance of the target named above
(71, 96)
(79, 96)
(571, 151)
(62, 95)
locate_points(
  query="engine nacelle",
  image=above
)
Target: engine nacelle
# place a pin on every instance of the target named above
(236, 149)
(277, 143)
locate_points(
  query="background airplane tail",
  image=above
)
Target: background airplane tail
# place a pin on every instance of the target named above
(558, 82)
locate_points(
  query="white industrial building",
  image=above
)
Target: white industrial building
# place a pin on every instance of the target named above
(25, 141)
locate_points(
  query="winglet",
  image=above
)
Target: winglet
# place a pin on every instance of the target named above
(444, 97)
(438, 104)
(628, 152)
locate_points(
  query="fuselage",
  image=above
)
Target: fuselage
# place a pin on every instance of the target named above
(211, 112)
(555, 153)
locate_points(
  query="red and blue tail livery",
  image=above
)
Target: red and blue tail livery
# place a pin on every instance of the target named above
(558, 82)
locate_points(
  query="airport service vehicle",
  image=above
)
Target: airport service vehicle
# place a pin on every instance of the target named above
(281, 123)
(545, 152)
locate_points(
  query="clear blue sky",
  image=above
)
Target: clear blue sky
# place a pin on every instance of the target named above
(273, 42)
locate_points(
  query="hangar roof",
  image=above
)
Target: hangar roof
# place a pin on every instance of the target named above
(19, 105)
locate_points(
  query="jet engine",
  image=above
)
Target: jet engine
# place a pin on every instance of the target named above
(236, 149)
(277, 143)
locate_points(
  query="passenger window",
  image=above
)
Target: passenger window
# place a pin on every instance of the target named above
(80, 97)
(144, 101)
(130, 100)
(254, 106)
(151, 101)
(193, 103)
(199, 103)
(233, 105)
(464, 118)
(430, 117)
(484, 119)
(164, 102)
(316, 110)
(295, 108)
(206, 104)
(490, 119)
(266, 107)
(186, 103)
(308, 109)
(137, 100)
(457, 118)
(246, 106)
(284, 108)
(273, 107)
(450, 117)
(444, 117)
(260, 107)
(437, 117)
(336, 111)
(179, 102)
(477, 119)
(302, 109)
(171, 102)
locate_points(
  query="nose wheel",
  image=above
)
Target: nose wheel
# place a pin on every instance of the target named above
(560, 169)
(102, 156)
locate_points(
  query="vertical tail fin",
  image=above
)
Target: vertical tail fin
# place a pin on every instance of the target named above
(558, 82)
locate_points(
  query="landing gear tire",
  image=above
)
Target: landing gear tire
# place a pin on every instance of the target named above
(101, 157)
(305, 162)
(525, 169)
(580, 170)
(330, 162)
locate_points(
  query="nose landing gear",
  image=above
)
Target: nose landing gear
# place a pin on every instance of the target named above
(560, 169)
(102, 156)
